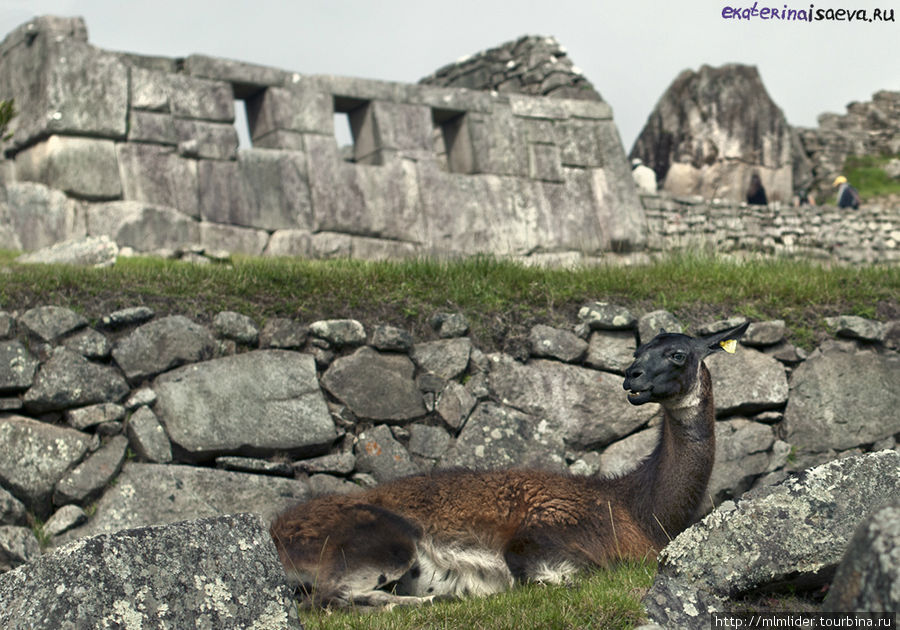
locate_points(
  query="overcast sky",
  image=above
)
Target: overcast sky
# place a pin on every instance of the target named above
(631, 51)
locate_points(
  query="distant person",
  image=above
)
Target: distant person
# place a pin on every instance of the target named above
(756, 192)
(847, 195)
(644, 176)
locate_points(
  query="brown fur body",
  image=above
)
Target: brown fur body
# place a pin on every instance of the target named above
(478, 532)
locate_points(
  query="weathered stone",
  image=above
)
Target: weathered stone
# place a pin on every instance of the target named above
(276, 189)
(340, 332)
(34, 456)
(7, 325)
(94, 251)
(161, 345)
(842, 399)
(142, 226)
(868, 578)
(605, 316)
(148, 437)
(81, 167)
(651, 323)
(391, 339)
(497, 436)
(254, 465)
(375, 386)
(742, 455)
(556, 344)
(449, 325)
(150, 494)
(18, 546)
(236, 326)
(69, 380)
(255, 404)
(17, 367)
(127, 317)
(64, 519)
(624, 455)
(762, 334)
(378, 453)
(857, 327)
(303, 110)
(216, 572)
(151, 127)
(206, 140)
(455, 404)
(427, 441)
(589, 406)
(48, 323)
(89, 343)
(447, 358)
(338, 463)
(12, 512)
(280, 332)
(747, 382)
(611, 350)
(157, 176)
(92, 415)
(320, 484)
(228, 238)
(40, 216)
(792, 533)
(720, 325)
(87, 480)
(200, 99)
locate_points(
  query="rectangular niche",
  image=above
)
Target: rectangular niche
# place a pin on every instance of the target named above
(453, 145)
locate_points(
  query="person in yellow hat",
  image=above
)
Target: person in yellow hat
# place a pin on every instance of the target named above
(847, 196)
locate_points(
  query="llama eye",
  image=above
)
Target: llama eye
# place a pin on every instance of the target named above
(679, 357)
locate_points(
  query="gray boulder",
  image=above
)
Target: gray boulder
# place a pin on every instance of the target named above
(257, 403)
(148, 437)
(48, 323)
(89, 343)
(554, 343)
(236, 326)
(624, 455)
(161, 345)
(12, 512)
(742, 454)
(855, 327)
(151, 494)
(220, 572)
(391, 339)
(447, 358)
(762, 334)
(70, 380)
(496, 436)
(89, 478)
(747, 382)
(605, 316)
(18, 546)
(339, 332)
(127, 317)
(455, 404)
(382, 456)
(868, 578)
(17, 367)
(92, 415)
(376, 386)
(280, 332)
(589, 406)
(64, 519)
(650, 324)
(611, 350)
(792, 533)
(41, 216)
(93, 251)
(840, 400)
(34, 456)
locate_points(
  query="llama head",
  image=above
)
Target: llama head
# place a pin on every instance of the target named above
(667, 367)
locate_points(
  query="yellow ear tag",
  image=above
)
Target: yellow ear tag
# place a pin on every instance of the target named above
(729, 345)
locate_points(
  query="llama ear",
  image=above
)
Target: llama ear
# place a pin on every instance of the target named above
(725, 340)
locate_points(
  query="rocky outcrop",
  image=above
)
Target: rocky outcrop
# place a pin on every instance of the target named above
(790, 535)
(712, 129)
(220, 572)
(533, 65)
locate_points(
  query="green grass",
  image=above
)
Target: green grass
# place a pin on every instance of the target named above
(866, 173)
(502, 299)
(601, 599)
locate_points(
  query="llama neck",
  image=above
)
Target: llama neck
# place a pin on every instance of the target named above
(670, 485)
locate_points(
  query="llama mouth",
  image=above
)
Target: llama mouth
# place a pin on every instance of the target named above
(640, 396)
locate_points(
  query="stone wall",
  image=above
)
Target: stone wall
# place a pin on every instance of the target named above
(144, 150)
(533, 65)
(868, 235)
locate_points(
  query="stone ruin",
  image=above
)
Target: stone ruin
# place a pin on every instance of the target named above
(145, 150)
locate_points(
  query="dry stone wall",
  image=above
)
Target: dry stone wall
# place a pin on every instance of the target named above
(144, 150)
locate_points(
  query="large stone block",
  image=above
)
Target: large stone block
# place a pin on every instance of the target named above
(215, 237)
(154, 127)
(217, 573)
(300, 108)
(244, 76)
(69, 380)
(40, 216)
(257, 403)
(202, 139)
(223, 197)
(62, 85)
(277, 189)
(404, 128)
(142, 226)
(156, 175)
(82, 167)
(497, 142)
(149, 90)
(200, 99)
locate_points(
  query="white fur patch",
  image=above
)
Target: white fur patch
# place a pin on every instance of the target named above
(553, 573)
(455, 571)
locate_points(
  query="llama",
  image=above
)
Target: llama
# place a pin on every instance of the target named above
(456, 532)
